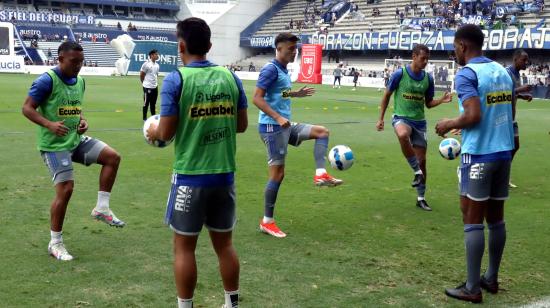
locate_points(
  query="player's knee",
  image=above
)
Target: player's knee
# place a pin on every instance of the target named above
(114, 159)
(66, 188)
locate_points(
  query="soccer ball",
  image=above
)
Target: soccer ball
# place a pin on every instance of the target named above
(158, 143)
(449, 148)
(340, 157)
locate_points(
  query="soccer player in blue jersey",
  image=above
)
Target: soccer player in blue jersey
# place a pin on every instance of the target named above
(413, 89)
(520, 62)
(203, 106)
(55, 103)
(486, 103)
(272, 97)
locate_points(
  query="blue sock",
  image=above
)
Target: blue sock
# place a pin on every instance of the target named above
(497, 240)
(413, 162)
(421, 190)
(270, 193)
(319, 152)
(474, 240)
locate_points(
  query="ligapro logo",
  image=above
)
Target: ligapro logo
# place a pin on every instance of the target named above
(10, 65)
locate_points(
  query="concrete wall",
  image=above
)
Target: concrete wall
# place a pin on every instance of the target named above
(227, 28)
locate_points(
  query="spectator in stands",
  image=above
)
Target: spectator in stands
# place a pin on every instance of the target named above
(49, 53)
(423, 10)
(13, 19)
(119, 26)
(397, 15)
(251, 67)
(371, 26)
(99, 24)
(129, 28)
(149, 80)
(401, 17)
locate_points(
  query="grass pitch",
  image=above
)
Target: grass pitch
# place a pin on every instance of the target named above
(363, 244)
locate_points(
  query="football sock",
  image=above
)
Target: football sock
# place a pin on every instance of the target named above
(421, 191)
(231, 299)
(102, 201)
(185, 302)
(271, 191)
(319, 151)
(320, 171)
(474, 240)
(56, 237)
(413, 162)
(497, 240)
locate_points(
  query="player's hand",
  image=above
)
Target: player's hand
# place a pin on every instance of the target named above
(152, 132)
(304, 91)
(82, 127)
(526, 96)
(284, 122)
(442, 127)
(58, 128)
(380, 125)
(447, 97)
(456, 132)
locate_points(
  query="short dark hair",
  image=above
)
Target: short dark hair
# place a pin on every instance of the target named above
(152, 52)
(518, 53)
(69, 46)
(472, 34)
(195, 32)
(286, 37)
(418, 48)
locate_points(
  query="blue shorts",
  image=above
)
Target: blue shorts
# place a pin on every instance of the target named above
(418, 137)
(481, 181)
(190, 207)
(277, 139)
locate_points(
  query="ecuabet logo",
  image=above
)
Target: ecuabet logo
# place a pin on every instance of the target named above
(499, 98)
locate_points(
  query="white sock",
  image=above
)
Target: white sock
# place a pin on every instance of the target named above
(267, 219)
(232, 299)
(418, 172)
(185, 302)
(56, 237)
(103, 201)
(320, 171)
(420, 198)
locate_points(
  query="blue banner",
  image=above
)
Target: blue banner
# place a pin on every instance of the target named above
(405, 40)
(419, 22)
(168, 55)
(44, 32)
(45, 17)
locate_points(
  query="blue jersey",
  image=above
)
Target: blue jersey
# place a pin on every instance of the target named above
(275, 80)
(495, 89)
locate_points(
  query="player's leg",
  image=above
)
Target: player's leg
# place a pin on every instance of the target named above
(60, 166)
(334, 83)
(220, 221)
(185, 268)
(91, 151)
(145, 103)
(420, 144)
(403, 132)
(496, 224)
(276, 143)
(301, 132)
(153, 100)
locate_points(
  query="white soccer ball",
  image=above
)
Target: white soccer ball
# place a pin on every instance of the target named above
(158, 143)
(340, 157)
(449, 148)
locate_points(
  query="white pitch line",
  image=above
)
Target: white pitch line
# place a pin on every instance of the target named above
(543, 303)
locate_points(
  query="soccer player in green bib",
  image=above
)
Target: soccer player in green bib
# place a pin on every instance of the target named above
(203, 106)
(414, 89)
(55, 104)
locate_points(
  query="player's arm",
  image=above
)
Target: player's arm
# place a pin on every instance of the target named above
(430, 101)
(242, 120)
(470, 117)
(303, 92)
(383, 106)
(260, 102)
(141, 76)
(29, 111)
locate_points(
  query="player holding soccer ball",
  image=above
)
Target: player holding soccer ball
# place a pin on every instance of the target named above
(204, 106)
(55, 104)
(272, 97)
(486, 102)
(413, 89)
